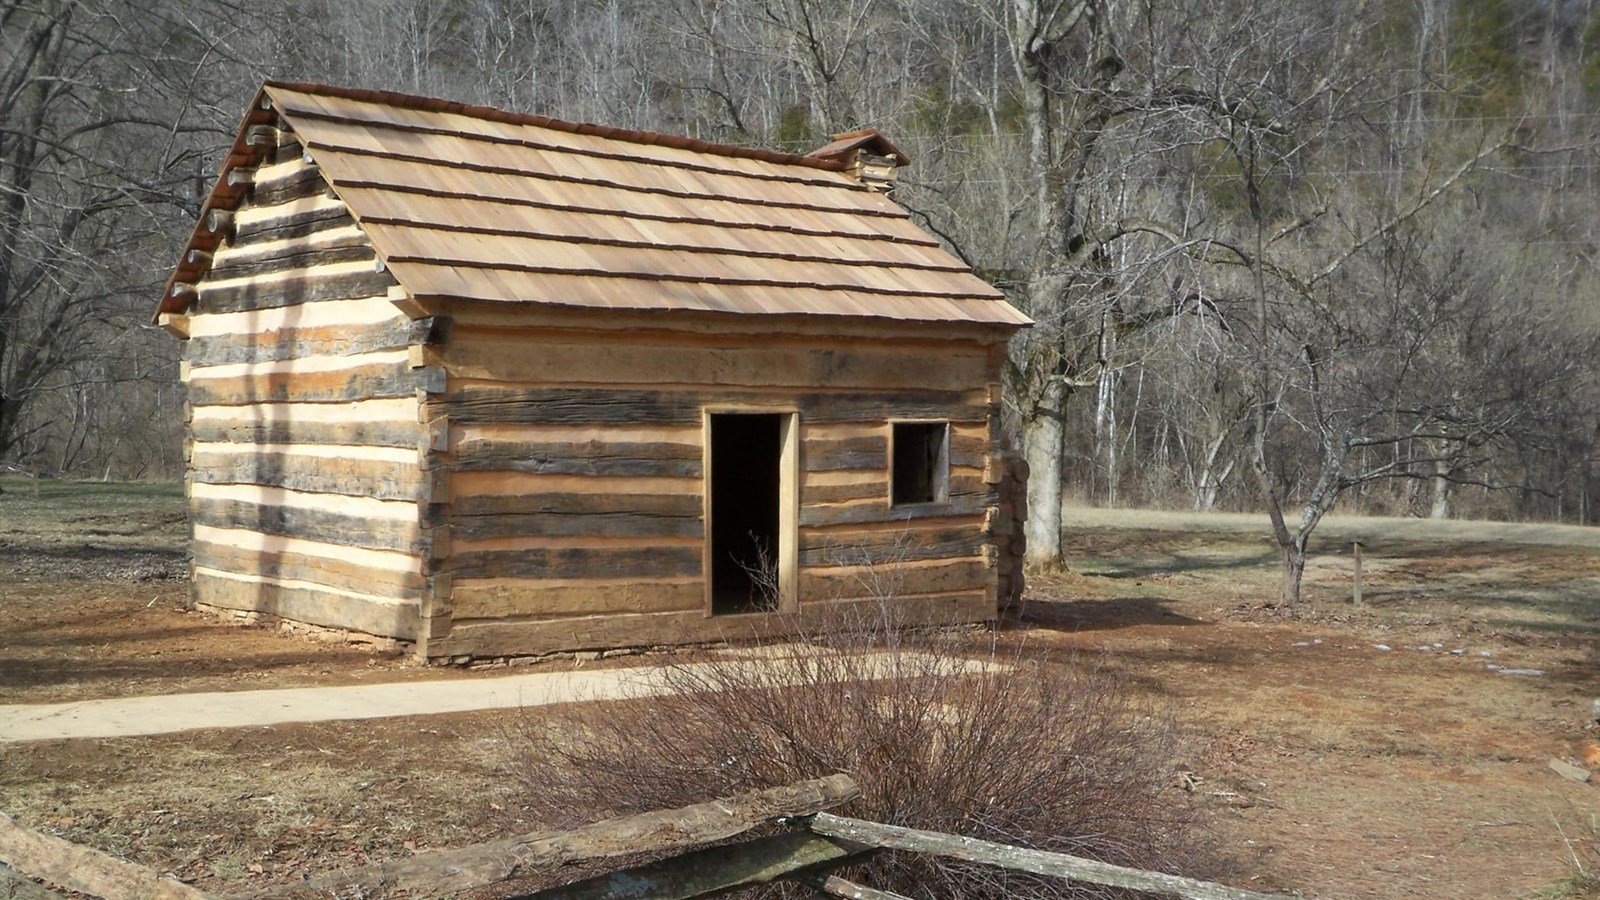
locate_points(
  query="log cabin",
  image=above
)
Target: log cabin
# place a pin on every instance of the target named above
(496, 385)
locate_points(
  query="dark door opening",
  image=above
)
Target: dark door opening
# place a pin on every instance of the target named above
(746, 454)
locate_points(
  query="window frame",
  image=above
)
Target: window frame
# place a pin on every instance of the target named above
(939, 461)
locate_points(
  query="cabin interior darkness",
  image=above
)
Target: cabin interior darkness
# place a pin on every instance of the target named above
(921, 463)
(746, 451)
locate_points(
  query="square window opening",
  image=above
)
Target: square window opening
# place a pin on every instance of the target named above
(921, 464)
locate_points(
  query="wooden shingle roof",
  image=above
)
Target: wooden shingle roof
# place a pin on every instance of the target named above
(471, 203)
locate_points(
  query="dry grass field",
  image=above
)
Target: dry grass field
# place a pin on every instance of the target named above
(1327, 764)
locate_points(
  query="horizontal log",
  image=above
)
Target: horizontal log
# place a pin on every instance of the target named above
(1020, 859)
(505, 638)
(349, 474)
(307, 523)
(450, 872)
(713, 871)
(968, 451)
(888, 546)
(969, 483)
(85, 869)
(359, 312)
(577, 562)
(364, 507)
(293, 223)
(359, 382)
(580, 406)
(510, 357)
(470, 528)
(624, 458)
(868, 452)
(303, 602)
(295, 343)
(466, 487)
(345, 284)
(566, 514)
(286, 565)
(878, 510)
(869, 485)
(966, 487)
(505, 598)
(269, 137)
(349, 249)
(284, 152)
(566, 503)
(596, 406)
(372, 434)
(895, 579)
(302, 182)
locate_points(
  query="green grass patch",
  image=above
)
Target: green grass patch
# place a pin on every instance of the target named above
(55, 489)
(50, 514)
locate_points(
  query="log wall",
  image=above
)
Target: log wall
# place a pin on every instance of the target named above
(571, 486)
(512, 480)
(305, 475)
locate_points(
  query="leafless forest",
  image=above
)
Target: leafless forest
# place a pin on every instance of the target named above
(1281, 255)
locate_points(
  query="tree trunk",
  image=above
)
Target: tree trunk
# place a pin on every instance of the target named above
(1440, 508)
(1294, 569)
(1043, 445)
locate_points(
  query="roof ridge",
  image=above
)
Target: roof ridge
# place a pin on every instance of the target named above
(493, 114)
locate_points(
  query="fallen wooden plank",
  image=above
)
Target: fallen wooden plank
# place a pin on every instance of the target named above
(1038, 862)
(834, 886)
(716, 870)
(1569, 771)
(450, 871)
(84, 869)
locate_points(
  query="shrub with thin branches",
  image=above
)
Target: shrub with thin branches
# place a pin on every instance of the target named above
(1017, 746)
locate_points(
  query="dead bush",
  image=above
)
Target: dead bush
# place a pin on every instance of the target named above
(1015, 746)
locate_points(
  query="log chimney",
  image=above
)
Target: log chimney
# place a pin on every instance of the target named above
(867, 155)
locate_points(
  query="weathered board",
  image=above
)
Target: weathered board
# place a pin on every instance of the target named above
(307, 603)
(512, 638)
(296, 565)
(278, 465)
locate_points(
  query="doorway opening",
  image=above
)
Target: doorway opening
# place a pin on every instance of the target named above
(747, 551)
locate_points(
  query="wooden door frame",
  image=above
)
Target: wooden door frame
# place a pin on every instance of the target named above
(788, 502)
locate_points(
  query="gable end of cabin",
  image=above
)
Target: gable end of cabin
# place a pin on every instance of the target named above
(306, 455)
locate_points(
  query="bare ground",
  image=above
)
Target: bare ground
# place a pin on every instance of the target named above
(1332, 767)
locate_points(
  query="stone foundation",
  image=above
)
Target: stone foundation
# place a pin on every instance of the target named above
(319, 633)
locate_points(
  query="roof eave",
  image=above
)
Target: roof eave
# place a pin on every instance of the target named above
(224, 196)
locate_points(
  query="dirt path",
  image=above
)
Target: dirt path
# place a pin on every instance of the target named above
(165, 714)
(1370, 529)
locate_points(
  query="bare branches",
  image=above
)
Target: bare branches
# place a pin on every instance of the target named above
(1412, 210)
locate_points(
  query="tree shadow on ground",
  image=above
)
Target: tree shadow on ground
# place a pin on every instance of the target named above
(22, 677)
(1150, 566)
(1100, 614)
(45, 638)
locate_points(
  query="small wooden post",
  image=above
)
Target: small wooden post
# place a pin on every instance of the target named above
(1355, 596)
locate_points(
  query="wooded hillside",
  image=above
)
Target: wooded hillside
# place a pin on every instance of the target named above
(1280, 254)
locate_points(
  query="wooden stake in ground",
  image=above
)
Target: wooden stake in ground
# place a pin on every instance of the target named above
(1355, 594)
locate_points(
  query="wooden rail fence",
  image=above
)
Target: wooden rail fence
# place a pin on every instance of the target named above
(813, 843)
